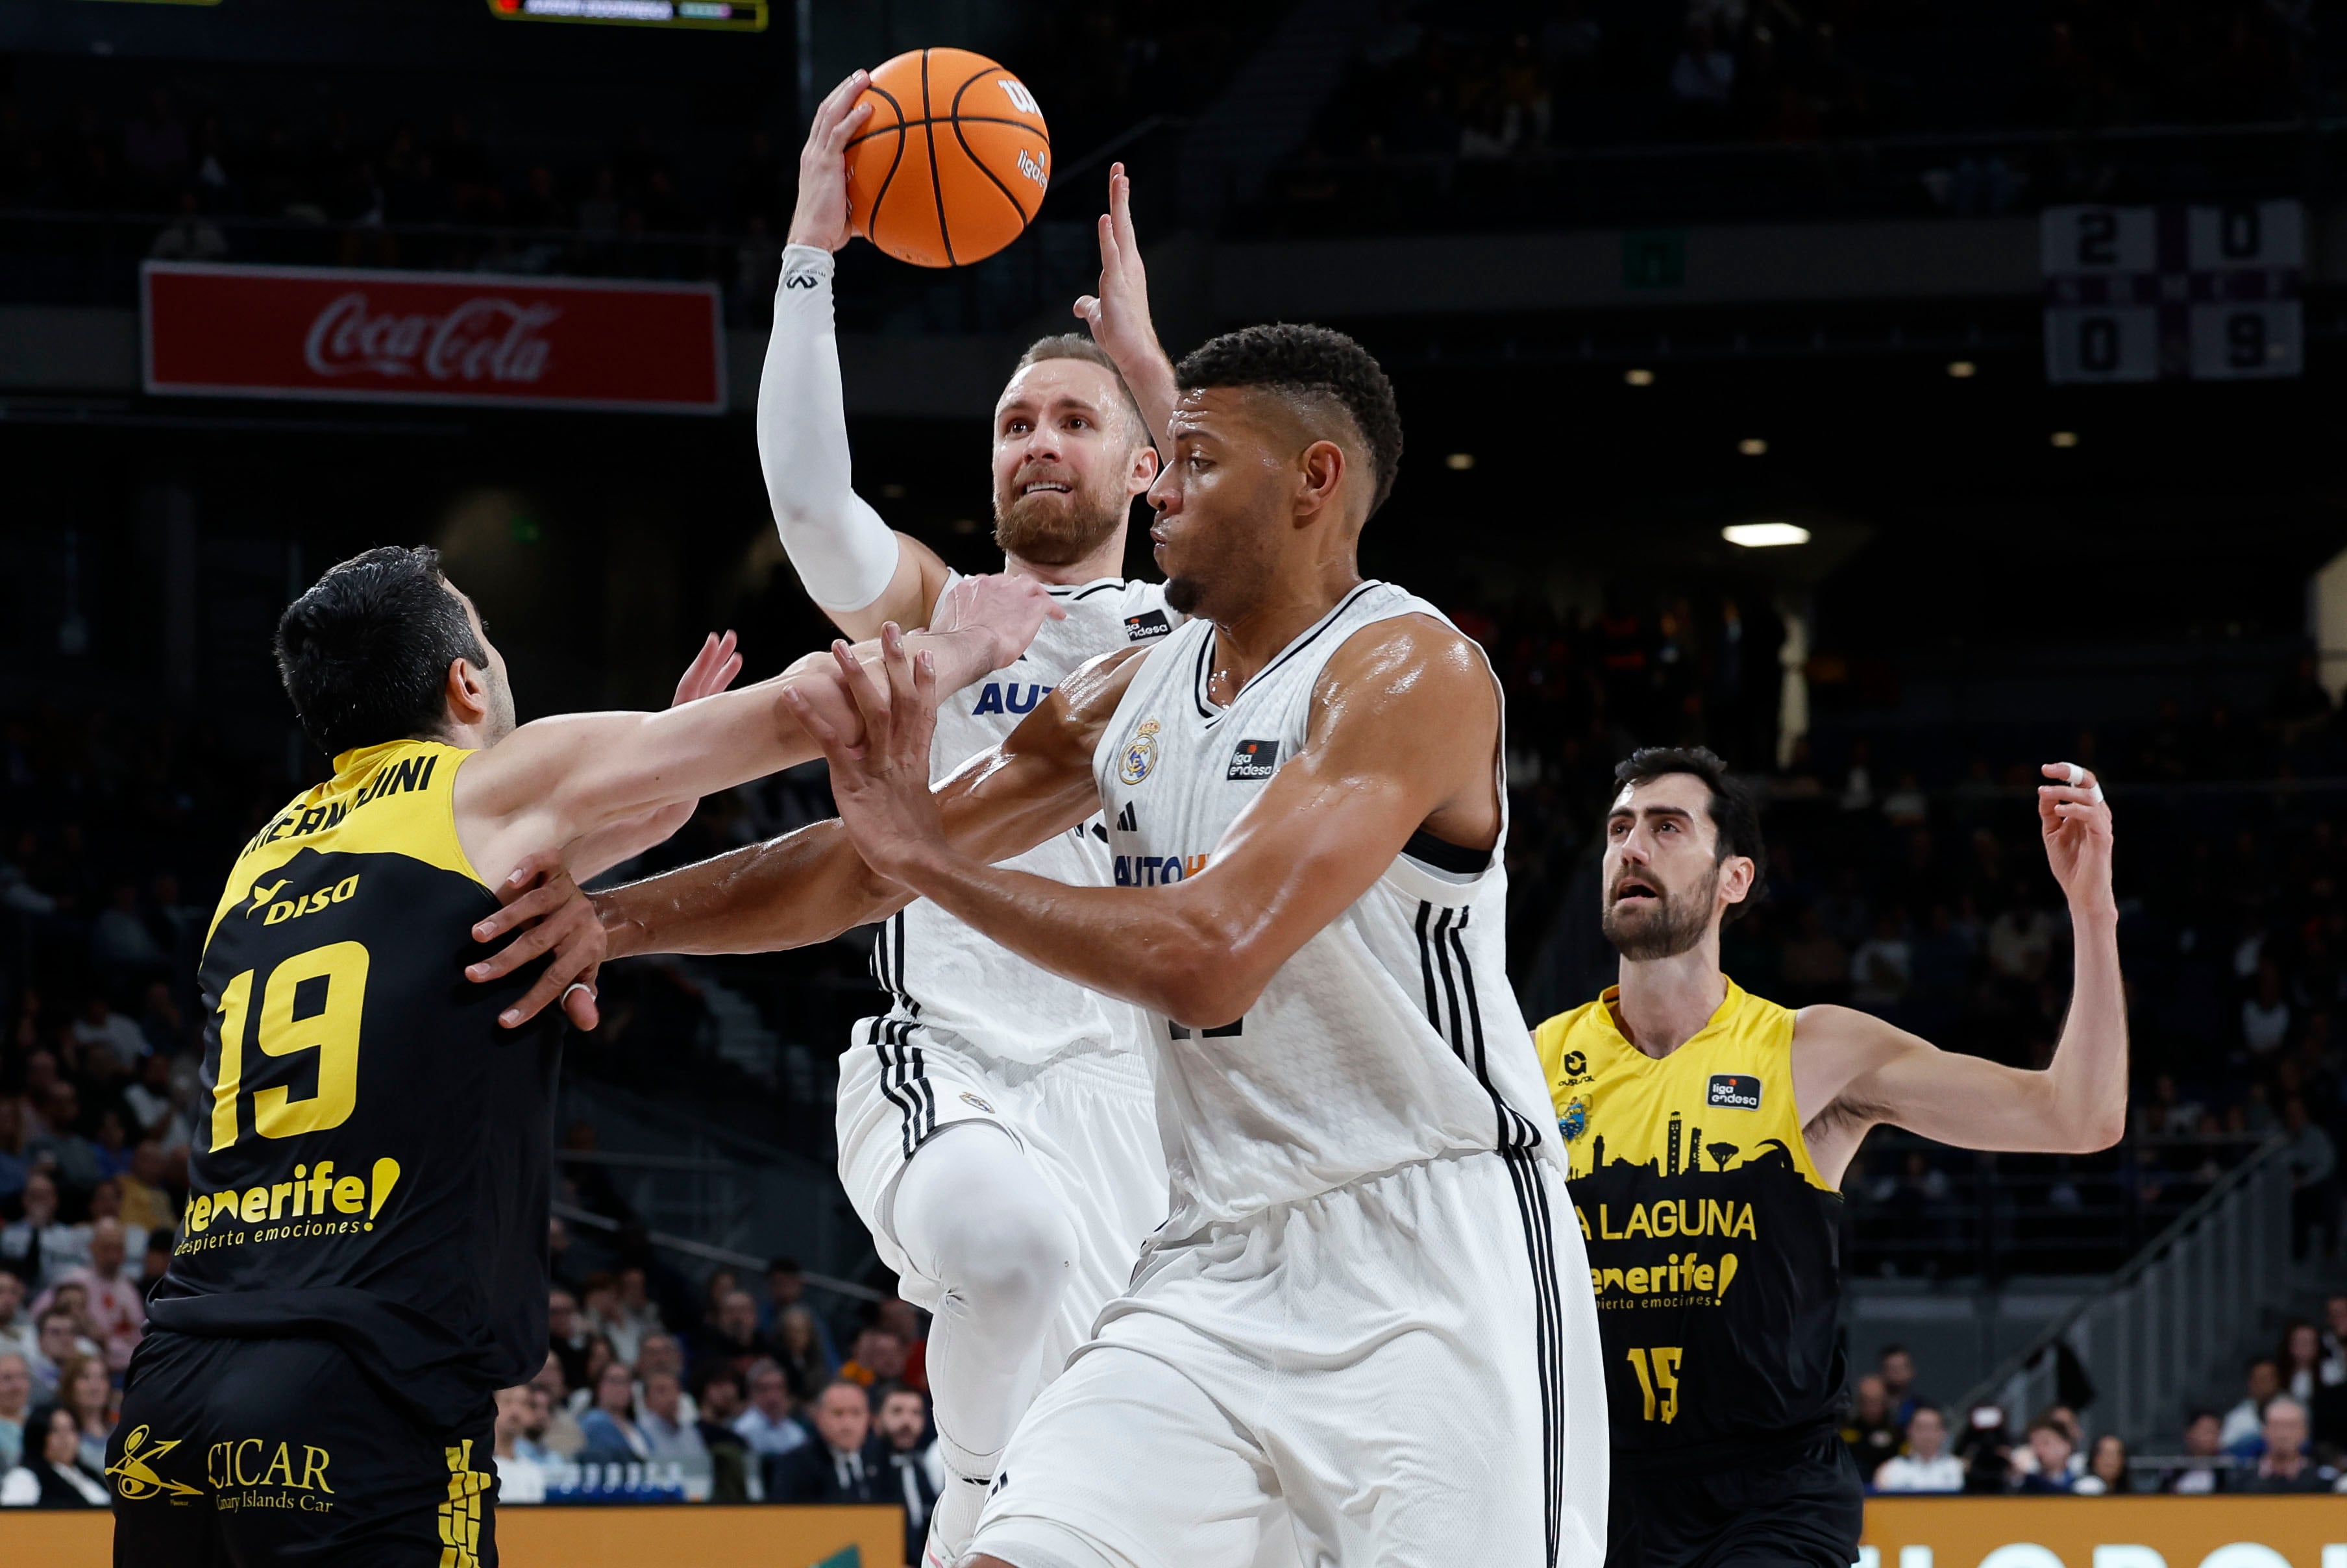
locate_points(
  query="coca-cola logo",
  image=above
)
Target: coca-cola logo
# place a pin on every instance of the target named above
(484, 339)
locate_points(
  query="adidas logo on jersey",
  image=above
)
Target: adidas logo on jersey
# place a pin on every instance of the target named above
(1125, 821)
(1253, 760)
(1147, 625)
(1740, 1090)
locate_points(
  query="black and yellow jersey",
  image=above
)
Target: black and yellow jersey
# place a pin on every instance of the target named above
(1714, 1244)
(375, 1168)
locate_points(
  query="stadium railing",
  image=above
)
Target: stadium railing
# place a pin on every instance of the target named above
(2167, 1320)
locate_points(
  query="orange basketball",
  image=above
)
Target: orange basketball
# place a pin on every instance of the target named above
(953, 164)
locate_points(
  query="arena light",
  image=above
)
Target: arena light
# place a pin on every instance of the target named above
(2066, 438)
(1753, 446)
(1639, 377)
(1765, 536)
(1459, 462)
(1963, 369)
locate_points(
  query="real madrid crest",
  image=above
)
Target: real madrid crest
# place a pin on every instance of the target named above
(1140, 753)
(1575, 1120)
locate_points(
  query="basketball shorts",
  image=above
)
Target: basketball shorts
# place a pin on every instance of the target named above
(1402, 1371)
(1799, 1507)
(250, 1453)
(1089, 1123)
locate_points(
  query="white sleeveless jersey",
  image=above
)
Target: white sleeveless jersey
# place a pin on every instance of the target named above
(1392, 1036)
(943, 976)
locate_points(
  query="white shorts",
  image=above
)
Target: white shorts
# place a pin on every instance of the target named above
(1402, 1372)
(1089, 1123)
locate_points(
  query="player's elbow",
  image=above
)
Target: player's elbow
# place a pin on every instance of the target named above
(1199, 986)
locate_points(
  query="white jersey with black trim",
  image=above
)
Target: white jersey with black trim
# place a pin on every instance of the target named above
(1391, 1036)
(942, 976)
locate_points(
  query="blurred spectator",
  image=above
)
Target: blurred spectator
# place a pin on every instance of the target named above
(804, 1359)
(40, 1248)
(521, 1476)
(768, 1426)
(846, 1464)
(85, 1388)
(567, 1335)
(1883, 966)
(16, 1330)
(50, 1473)
(2265, 1011)
(115, 1309)
(61, 1341)
(734, 1469)
(556, 1428)
(2285, 1466)
(1896, 1367)
(2245, 1422)
(2044, 1464)
(661, 1353)
(609, 1426)
(632, 1315)
(879, 1357)
(2313, 1162)
(916, 1474)
(903, 1319)
(733, 1341)
(2107, 1470)
(2334, 1340)
(1869, 1430)
(786, 1292)
(2299, 1360)
(2203, 1440)
(1926, 1465)
(16, 1401)
(671, 1432)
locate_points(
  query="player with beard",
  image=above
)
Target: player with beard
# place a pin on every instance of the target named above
(1708, 1133)
(1013, 1241)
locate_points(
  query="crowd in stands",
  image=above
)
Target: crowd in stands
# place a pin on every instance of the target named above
(2288, 1434)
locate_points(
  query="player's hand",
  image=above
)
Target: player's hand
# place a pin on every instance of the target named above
(1007, 610)
(1119, 315)
(553, 916)
(2076, 824)
(821, 217)
(882, 786)
(711, 670)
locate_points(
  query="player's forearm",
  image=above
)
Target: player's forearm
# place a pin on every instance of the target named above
(837, 543)
(2088, 1074)
(794, 891)
(1150, 376)
(1152, 947)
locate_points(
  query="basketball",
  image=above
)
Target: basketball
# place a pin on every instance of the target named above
(953, 164)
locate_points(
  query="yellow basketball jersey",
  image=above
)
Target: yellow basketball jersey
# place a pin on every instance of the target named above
(1714, 1244)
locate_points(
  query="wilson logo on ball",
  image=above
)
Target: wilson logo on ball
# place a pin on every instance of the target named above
(954, 162)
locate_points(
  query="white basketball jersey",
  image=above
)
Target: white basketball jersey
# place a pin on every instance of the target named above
(944, 976)
(1392, 1036)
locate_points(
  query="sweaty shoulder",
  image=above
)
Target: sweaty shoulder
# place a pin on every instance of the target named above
(1412, 662)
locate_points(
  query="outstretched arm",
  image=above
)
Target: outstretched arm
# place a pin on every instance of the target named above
(711, 670)
(1405, 735)
(1863, 1071)
(558, 781)
(853, 565)
(808, 887)
(1119, 315)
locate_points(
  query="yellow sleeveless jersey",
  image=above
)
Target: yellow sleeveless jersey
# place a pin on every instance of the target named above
(375, 1168)
(1714, 1244)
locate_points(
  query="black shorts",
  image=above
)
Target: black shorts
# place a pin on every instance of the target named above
(248, 1453)
(1805, 1505)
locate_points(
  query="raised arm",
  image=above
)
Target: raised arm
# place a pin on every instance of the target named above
(1405, 735)
(1119, 315)
(1863, 1071)
(560, 781)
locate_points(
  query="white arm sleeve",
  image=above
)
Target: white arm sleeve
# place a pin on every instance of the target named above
(841, 549)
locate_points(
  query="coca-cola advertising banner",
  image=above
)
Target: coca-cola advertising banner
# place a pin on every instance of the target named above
(421, 337)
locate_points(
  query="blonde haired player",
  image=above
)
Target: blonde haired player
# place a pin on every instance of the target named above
(1708, 1131)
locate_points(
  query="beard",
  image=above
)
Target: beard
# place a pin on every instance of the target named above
(1672, 924)
(1057, 529)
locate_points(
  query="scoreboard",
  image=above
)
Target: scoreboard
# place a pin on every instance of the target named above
(2207, 292)
(726, 15)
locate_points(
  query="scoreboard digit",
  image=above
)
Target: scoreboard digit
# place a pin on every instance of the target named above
(2209, 292)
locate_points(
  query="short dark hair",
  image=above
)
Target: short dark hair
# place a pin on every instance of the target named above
(1734, 810)
(1080, 345)
(1307, 363)
(364, 654)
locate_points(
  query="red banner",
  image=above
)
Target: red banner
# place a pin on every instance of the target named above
(427, 337)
